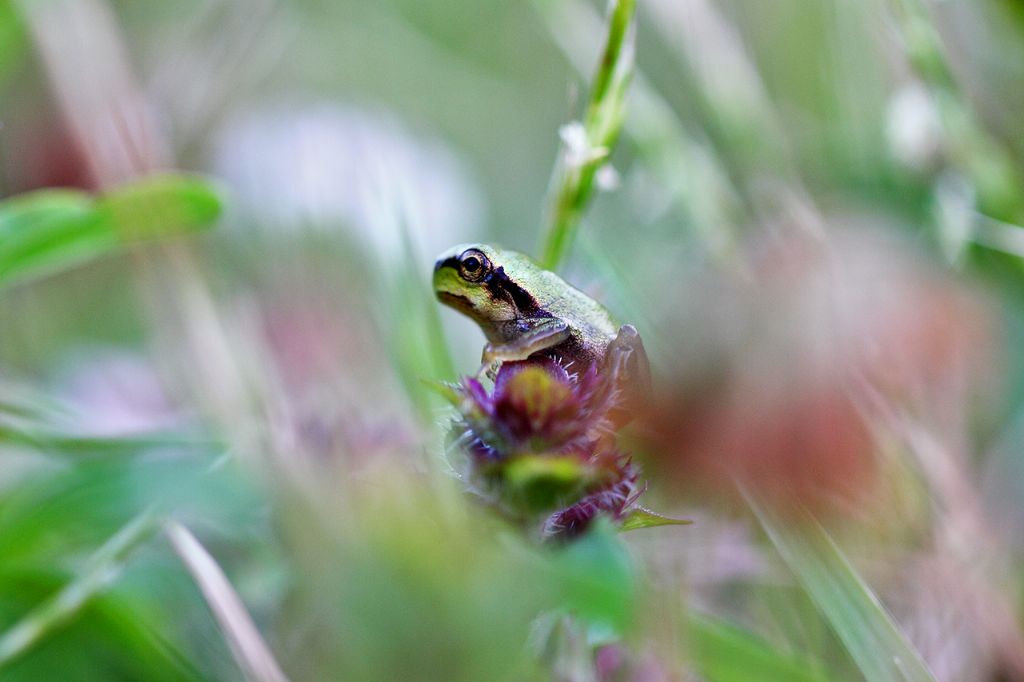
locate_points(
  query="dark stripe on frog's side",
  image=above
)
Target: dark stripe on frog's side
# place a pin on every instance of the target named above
(499, 286)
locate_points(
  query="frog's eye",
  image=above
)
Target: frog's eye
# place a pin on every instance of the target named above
(473, 265)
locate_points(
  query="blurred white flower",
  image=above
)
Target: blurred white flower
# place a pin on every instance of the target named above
(954, 214)
(577, 149)
(324, 164)
(607, 178)
(913, 127)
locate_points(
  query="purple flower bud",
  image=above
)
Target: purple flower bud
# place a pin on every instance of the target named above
(541, 445)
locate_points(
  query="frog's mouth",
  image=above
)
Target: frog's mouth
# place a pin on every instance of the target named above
(457, 301)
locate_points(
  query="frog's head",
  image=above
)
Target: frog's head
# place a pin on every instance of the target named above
(487, 283)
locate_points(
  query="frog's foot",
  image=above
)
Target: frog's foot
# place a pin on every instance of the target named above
(627, 370)
(488, 368)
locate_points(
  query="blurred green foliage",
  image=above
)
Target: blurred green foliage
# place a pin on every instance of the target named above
(50, 231)
(311, 467)
(724, 652)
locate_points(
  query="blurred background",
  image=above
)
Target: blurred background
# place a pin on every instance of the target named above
(219, 334)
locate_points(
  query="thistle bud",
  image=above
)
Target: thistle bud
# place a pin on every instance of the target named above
(540, 447)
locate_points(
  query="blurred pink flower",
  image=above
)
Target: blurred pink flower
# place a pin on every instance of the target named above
(116, 393)
(793, 360)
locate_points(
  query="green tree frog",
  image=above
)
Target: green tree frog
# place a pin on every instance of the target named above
(525, 310)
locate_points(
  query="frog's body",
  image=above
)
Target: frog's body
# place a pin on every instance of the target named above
(524, 310)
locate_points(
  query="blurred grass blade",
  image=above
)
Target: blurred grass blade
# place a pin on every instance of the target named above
(250, 651)
(724, 653)
(587, 146)
(74, 446)
(875, 643)
(100, 570)
(49, 231)
(417, 341)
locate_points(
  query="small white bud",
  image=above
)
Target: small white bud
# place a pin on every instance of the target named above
(577, 148)
(913, 127)
(607, 178)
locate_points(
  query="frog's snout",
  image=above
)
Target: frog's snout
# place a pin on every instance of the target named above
(438, 275)
(440, 279)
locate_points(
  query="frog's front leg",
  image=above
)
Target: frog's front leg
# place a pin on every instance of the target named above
(536, 335)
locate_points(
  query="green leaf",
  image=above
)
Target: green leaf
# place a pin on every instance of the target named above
(598, 578)
(158, 206)
(48, 231)
(638, 517)
(874, 641)
(13, 41)
(722, 652)
(446, 389)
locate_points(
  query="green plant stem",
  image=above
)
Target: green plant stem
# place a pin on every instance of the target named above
(101, 569)
(573, 180)
(704, 195)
